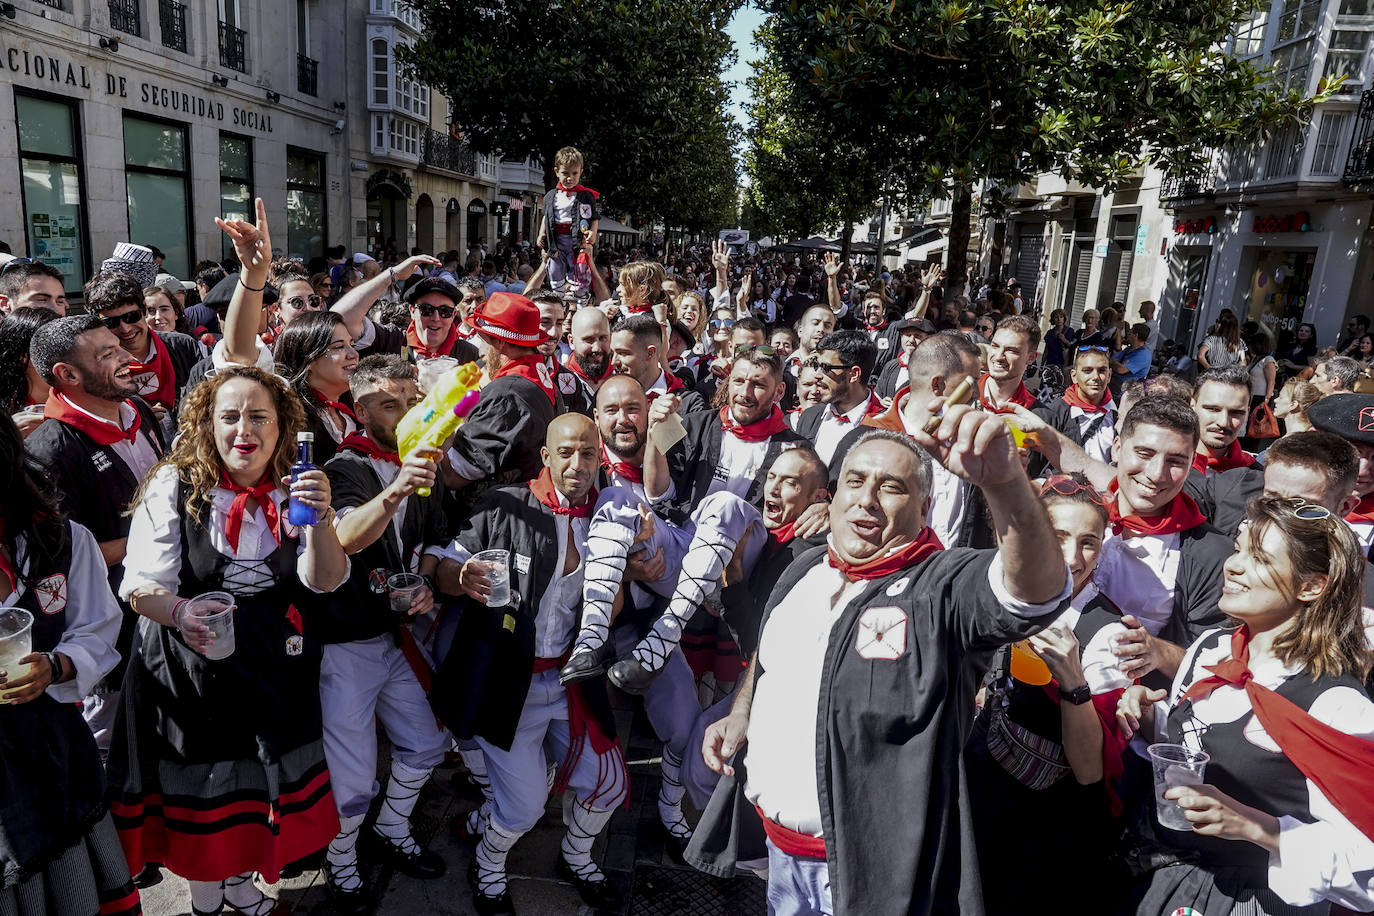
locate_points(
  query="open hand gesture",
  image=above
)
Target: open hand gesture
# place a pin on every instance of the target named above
(720, 258)
(832, 264)
(411, 264)
(252, 243)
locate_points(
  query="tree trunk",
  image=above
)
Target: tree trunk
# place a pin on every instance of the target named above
(550, 179)
(846, 239)
(956, 245)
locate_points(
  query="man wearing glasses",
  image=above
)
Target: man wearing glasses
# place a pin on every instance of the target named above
(845, 362)
(29, 283)
(433, 327)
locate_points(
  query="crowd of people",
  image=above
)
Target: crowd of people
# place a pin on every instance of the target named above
(909, 586)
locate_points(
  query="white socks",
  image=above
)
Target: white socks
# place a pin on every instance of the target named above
(491, 859)
(670, 792)
(342, 855)
(243, 895)
(207, 897)
(706, 558)
(586, 825)
(608, 546)
(402, 792)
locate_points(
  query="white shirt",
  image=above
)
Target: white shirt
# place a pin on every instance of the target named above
(93, 616)
(1101, 668)
(835, 427)
(1364, 533)
(564, 206)
(1152, 343)
(948, 498)
(138, 454)
(739, 465)
(1328, 859)
(1100, 445)
(1139, 573)
(782, 750)
(154, 556)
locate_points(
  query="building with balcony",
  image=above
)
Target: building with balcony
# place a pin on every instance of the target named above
(143, 120)
(1278, 231)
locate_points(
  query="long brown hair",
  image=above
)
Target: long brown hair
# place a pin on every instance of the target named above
(194, 455)
(648, 276)
(1326, 636)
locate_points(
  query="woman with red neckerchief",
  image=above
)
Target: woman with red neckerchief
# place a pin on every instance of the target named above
(1283, 821)
(315, 354)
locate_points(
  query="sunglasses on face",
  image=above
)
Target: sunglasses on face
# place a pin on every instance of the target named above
(114, 321)
(299, 304)
(429, 311)
(828, 368)
(718, 324)
(985, 328)
(1097, 348)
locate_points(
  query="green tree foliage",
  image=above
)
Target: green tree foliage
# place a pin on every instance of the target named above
(637, 87)
(1004, 89)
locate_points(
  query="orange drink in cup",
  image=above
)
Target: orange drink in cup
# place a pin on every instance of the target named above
(1028, 667)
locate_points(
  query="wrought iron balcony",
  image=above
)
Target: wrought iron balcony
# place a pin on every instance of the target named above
(172, 19)
(1200, 183)
(233, 47)
(1359, 165)
(124, 16)
(55, 4)
(446, 152)
(307, 74)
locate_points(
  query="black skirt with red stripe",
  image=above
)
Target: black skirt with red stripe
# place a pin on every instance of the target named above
(217, 766)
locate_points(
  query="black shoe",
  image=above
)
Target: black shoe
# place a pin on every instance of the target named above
(601, 895)
(150, 876)
(583, 666)
(631, 677)
(674, 845)
(312, 862)
(500, 905)
(358, 902)
(423, 863)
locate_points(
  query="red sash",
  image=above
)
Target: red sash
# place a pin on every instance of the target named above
(424, 352)
(161, 366)
(1235, 457)
(1181, 515)
(926, 543)
(766, 428)
(233, 525)
(528, 367)
(583, 727)
(359, 442)
(101, 432)
(1339, 764)
(787, 840)
(1073, 398)
(543, 490)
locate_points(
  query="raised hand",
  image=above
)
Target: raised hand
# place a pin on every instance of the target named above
(252, 242)
(973, 445)
(720, 258)
(411, 264)
(832, 264)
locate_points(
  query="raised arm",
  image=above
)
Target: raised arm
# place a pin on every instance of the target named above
(832, 264)
(352, 308)
(720, 261)
(536, 279)
(253, 247)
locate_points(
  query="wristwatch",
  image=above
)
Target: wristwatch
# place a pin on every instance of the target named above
(56, 664)
(1077, 696)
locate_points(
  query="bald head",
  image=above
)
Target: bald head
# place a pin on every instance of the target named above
(572, 452)
(591, 342)
(622, 416)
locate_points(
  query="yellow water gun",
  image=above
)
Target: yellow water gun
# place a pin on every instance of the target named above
(429, 423)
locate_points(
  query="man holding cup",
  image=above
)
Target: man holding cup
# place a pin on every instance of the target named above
(372, 668)
(499, 681)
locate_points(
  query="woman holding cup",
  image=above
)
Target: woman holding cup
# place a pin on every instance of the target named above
(227, 739)
(59, 853)
(1282, 820)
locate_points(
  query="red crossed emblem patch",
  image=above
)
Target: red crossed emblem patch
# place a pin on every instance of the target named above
(52, 593)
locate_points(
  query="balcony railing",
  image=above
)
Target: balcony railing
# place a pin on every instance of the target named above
(307, 74)
(55, 4)
(1359, 165)
(124, 16)
(443, 151)
(233, 44)
(172, 19)
(1195, 184)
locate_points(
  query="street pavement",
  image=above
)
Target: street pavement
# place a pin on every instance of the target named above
(632, 853)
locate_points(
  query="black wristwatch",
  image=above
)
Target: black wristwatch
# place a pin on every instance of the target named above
(1077, 696)
(56, 664)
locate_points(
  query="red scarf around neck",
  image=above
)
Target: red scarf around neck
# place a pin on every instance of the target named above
(572, 366)
(159, 363)
(340, 406)
(530, 367)
(100, 432)
(1235, 457)
(578, 187)
(670, 382)
(262, 492)
(766, 428)
(780, 537)
(364, 445)
(1073, 398)
(543, 490)
(878, 327)
(926, 543)
(631, 472)
(1339, 764)
(987, 391)
(1182, 515)
(424, 352)
(639, 309)
(1363, 511)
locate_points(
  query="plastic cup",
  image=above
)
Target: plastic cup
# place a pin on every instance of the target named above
(433, 369)
(1027, 666)
(216, 611)
(1175, 765)
(403, 587)
(16, 641)
(496, 565)
(1018, 435)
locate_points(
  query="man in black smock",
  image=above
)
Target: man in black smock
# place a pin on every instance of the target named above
(870, 654)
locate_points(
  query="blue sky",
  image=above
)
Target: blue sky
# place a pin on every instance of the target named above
(741, 30)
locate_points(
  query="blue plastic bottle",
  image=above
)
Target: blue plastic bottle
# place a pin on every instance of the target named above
(297, 512)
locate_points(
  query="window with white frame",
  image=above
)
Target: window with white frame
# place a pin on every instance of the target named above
(1292, 64)
(1326, 158)
(1250, 34)
(381, 72)
(1346, 54)
(1297, 18)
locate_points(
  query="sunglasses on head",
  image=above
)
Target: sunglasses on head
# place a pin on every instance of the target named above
(429, 311)
(1093, 347)
(1067, 486)
(760, 350)
(16, 262)
(1308, 512)
(114, 321)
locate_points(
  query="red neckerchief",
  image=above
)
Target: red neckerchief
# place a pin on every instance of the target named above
(572, 366)
(161, 365)
(424, 352)
(639, 309)
(1363, 511)
(360, 443)
(926, 543)
(874, 405)
(528, 367)
(764, 429)
(904, 358)
(579, 187)
(1235, 457)
(1336, 762)
(878, 327)
(670, 382)
(340, 406)
(101, 433)
(1183, 514)
(1074, 399)
(464, 334)
(631, 472)
(6, 567)
(233, 525)
(542, 488)
(780, 537)
(1022, 396)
